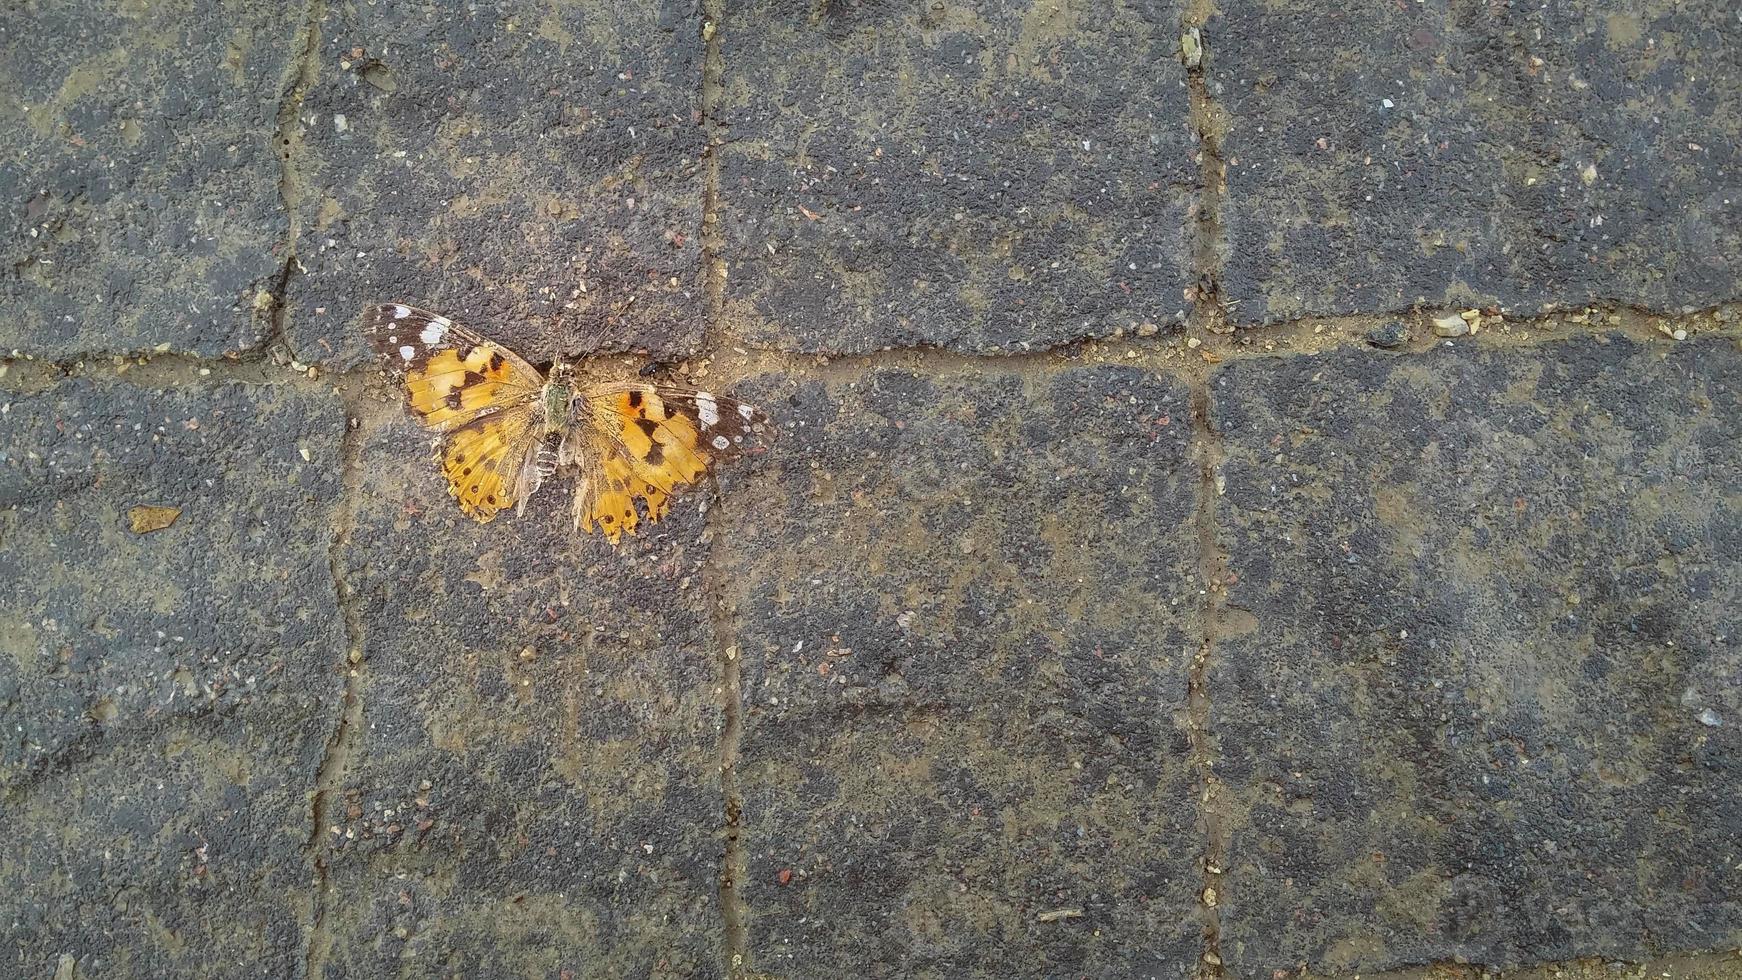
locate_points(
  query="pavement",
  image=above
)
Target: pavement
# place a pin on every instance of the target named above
(1256, 492)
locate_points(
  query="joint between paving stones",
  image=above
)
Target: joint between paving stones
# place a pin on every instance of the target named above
(1209, 317)
(300, 75)
(1213, 570)
(341, 745)
(1171, 355)
(735, 955)
(733, 861)
(1208, 124)
(715, 131)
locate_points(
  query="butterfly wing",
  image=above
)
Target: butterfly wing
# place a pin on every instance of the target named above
(451, 375)
(490, 461)
(650, 441)
(607, 492)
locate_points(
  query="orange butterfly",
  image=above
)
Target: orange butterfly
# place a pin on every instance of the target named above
(508, 426)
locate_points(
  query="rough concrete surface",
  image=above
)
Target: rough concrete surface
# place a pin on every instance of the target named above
(1262, 505)
(1521, 155)
(958, 719)
(1520, 659)
(165, 696)
(142, 199)
(975, 176)
(492, 163)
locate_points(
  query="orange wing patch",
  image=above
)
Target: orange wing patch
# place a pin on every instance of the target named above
(651, 442)
(451, 388)
(484, 460)
(662, 446)
(451, 374)
(608, 499)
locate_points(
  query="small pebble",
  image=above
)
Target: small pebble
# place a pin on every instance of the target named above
(1390, 336)
(1451, 326)
(1710, 718)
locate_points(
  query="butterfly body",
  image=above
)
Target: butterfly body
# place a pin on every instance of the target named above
(508, 427)
(560, 399)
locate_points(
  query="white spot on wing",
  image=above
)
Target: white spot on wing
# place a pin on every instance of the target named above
(401, 312)
(721, 442)
(408, 352)
(746, 411)
(433, 332)
(708, 409)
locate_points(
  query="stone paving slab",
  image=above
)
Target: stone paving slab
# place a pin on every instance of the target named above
(536, 783)
(976, 176)
(164, 696)
(963, 749)
(137, 176)
(1490, 706)
(490, 162)
(1552, 155)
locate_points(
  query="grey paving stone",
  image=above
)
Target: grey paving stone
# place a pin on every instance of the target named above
(137, 177)
(965, 607)
(561, 704)
(976, 176)
(1552, 154)
(164, 697)
(1488, 709)
(488, 162)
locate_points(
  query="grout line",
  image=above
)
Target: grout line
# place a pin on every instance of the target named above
(1171, 354)
(1208, 321)
(342, 744)
(1213, 570)
(303, 70)
(714, 130)
(733, 862)
(1208, 124)
(24, 374)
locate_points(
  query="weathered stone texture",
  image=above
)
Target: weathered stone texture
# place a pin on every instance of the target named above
(164, 696)
(977, 176)
(535, 785)
(137, 174)
(491, 162)
(962, 711)
(1550, 154)
(1489, 705)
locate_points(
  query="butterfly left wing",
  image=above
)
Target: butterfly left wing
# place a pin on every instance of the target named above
(490, 462)
(650, 441)
(451, 375)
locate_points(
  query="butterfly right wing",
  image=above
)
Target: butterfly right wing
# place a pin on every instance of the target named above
(605, 495)
(451, 375)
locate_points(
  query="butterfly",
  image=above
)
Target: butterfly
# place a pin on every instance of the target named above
(507, 427)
